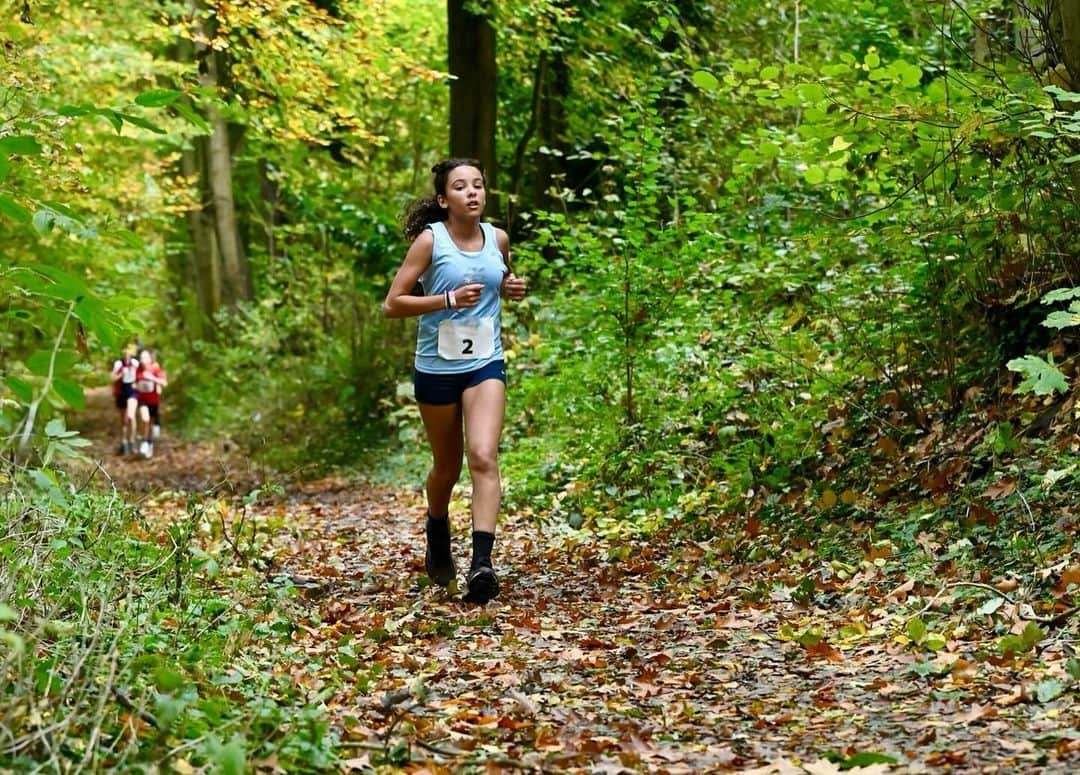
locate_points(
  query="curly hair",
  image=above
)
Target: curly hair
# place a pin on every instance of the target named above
(421, 212)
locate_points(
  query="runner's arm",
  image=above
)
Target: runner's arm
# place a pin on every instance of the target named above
(512, 287)
(503, 241)
(400, 302)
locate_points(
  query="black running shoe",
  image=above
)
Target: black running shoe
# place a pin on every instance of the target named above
(439, 565)
(482, 583)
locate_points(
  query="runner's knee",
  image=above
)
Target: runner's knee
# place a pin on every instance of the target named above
(484, 460)
(445, 472)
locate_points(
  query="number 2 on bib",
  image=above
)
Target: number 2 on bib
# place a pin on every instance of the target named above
(461, 340)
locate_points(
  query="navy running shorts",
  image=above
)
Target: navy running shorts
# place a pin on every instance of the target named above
(443, 389)
(127, 390)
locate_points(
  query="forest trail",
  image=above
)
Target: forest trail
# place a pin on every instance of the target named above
(670, 659)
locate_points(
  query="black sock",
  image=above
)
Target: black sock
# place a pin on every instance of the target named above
(482, 543)
(438, 533)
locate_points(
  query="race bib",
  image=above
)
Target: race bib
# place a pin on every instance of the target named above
(466, 340)
(145, 386)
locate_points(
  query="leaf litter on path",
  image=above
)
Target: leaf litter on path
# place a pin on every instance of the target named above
(660, 662)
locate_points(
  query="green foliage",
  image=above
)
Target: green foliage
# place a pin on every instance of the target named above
(1040, 377)
(1016, 645)
(775, 250)
(119, 634)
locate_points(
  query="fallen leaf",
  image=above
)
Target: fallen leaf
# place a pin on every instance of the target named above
(1000, 489)
(977, 712)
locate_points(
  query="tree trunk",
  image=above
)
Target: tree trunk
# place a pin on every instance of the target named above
(204, 262)
(1065, 29)
(234, 271)
(518, 171)
(269, 195)
(551, 168)
(471, 63)
(1064, 33)
(229, 247)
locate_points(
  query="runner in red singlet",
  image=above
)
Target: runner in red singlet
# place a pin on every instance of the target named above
(149, 379)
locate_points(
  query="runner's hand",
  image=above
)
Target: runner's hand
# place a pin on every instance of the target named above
(513, 287)
(468, 295)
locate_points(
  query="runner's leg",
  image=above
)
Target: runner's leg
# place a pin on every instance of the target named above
(483, 407)
(121, 414)
(442, 423)
(129, 420)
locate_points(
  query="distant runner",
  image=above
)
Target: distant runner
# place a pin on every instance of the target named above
(149, 380)
(156, 432)
(123, 376)
(462, 264)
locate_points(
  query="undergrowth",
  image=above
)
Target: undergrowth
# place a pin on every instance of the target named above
(126, 644)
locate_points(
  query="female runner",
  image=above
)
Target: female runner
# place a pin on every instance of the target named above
(462, 265)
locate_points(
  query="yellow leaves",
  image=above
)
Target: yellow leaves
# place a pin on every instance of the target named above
(839, 144)
(426, 74)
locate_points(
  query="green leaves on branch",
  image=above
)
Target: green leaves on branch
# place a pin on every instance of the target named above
(13, 210)
(19, 145)
(70, 392)
(1063, 318)
(189, 114)
(41, 362)
(1040, 377)
(705, 81)
(158, 98)
(61, 442)
(1043, 377)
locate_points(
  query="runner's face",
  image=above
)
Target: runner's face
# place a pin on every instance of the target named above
(465, 194)
(145, 358)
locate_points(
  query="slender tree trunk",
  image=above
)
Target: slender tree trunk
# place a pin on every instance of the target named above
(1065, 29)
(1064, 33)
(518, 172)
(269, 194)
(204, 263)
(213, 74)
(235, 281)
(551, 168)
(471, 63)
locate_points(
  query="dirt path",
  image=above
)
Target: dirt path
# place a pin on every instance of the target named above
(215, 465)
(668, 660)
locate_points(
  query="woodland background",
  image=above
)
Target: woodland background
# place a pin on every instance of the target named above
(803, 282)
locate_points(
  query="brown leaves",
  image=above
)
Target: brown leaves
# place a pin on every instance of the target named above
(670, 655)
(823, 650)
(1002, 488)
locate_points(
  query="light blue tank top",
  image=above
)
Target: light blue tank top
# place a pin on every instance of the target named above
(451, 268)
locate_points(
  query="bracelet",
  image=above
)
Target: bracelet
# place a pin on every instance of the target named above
(453, 300)
(446, 299)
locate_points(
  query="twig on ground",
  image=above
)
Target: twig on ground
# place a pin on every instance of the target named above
(1034, 527)
(1055, 620)
(125, 702)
